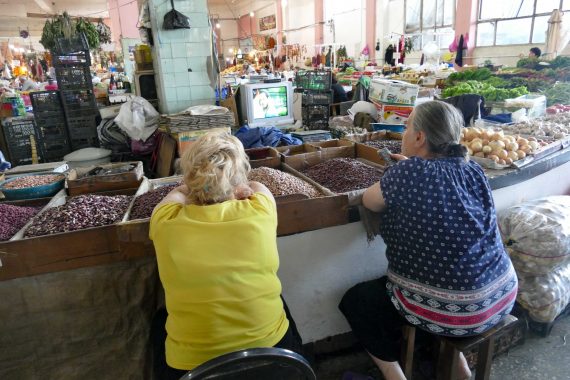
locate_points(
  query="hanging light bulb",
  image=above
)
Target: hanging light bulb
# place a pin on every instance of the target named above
(218, 26)
(231, 50)
(251, 14)
(11, 46)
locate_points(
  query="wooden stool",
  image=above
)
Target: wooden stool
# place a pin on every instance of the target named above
(449, 349)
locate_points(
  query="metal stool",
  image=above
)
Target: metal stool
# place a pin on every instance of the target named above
(254, 363)
(449, 349)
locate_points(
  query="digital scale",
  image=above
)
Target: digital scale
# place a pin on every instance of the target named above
(309, 136)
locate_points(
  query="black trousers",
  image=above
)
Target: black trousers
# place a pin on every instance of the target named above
(162, 371)
(375, 321)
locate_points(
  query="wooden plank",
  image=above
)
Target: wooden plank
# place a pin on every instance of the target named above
(109, 182)
(311, 214)
(59, 252)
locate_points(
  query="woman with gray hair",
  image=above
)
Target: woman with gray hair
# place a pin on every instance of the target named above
(448, 272)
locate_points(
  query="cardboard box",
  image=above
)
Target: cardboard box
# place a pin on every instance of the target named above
(267, 157)
(185, 139)
(230, 103)
(393, 92)
(392, 113)
(109, 182)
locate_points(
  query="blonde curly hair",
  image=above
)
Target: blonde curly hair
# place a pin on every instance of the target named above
(213, 167)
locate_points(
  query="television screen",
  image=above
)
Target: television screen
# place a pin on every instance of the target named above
(270, 102)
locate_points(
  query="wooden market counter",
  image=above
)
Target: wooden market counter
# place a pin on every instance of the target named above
(83, 302)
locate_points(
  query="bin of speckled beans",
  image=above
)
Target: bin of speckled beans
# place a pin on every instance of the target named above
(280, 183)
(395, 146)
(145, 203)
(32, 181)
(78, 213)
(13, 218)
(342, 175)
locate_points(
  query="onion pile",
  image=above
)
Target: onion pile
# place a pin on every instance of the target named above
(496, 146)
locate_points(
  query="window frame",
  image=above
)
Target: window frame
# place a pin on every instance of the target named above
(421, 31)
(495, 21)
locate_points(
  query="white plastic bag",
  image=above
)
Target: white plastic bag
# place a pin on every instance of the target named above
(138, 118)
(537, 234)
(545, 296)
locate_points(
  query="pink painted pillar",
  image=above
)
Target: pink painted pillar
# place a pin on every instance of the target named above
(466, 23)
(371, 27)
(124, 15)
(319, 27)
(279, 25)
(115, 20)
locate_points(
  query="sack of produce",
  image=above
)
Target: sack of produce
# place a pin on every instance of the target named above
(545, 296)
(537, 234)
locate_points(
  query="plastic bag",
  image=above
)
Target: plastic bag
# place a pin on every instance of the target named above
(545, 297)
(537, 234)
(4, 165)
(138, 118)
(175, 20)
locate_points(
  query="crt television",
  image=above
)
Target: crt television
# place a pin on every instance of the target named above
(266, 104)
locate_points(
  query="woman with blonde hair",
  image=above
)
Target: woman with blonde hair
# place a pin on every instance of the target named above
(216, 247)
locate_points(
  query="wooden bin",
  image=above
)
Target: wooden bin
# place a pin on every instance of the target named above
(110, 182)
(294, 214)
(267, 156)
(301, 162)
(367, 152)
(24, 257)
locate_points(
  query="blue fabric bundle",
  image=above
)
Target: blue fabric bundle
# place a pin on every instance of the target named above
(265, 136)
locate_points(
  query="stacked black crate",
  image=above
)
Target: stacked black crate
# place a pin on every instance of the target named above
(316, 99)
(51, 126)
(72, 68)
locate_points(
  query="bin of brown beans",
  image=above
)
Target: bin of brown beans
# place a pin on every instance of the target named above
(81, 212)
(281, 183)
(342, 175)
(395, 146)
(32, 186)
(145, 203)
(13, 218)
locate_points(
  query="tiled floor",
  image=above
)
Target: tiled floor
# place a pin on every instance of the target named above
(538, 359)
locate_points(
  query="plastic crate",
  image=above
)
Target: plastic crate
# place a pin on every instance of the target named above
(82, 131)
(53, 150)
(314, 80)
(73, 78)
(317, 98)
(46, 101)
(18, 135)
(71, 45)
(315, 113)
(75, 59)
(76, 100)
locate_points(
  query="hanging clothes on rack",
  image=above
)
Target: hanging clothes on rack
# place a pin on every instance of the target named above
(328, 57)
(402, 49)
(389, 55)
(459, 57)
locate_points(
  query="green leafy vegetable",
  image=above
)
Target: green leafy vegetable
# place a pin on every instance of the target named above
(490, 93)
(560, 93)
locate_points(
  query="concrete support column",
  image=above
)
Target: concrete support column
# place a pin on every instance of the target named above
(466, 23)
(371, 27)
(279, 21)
(319, 19)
